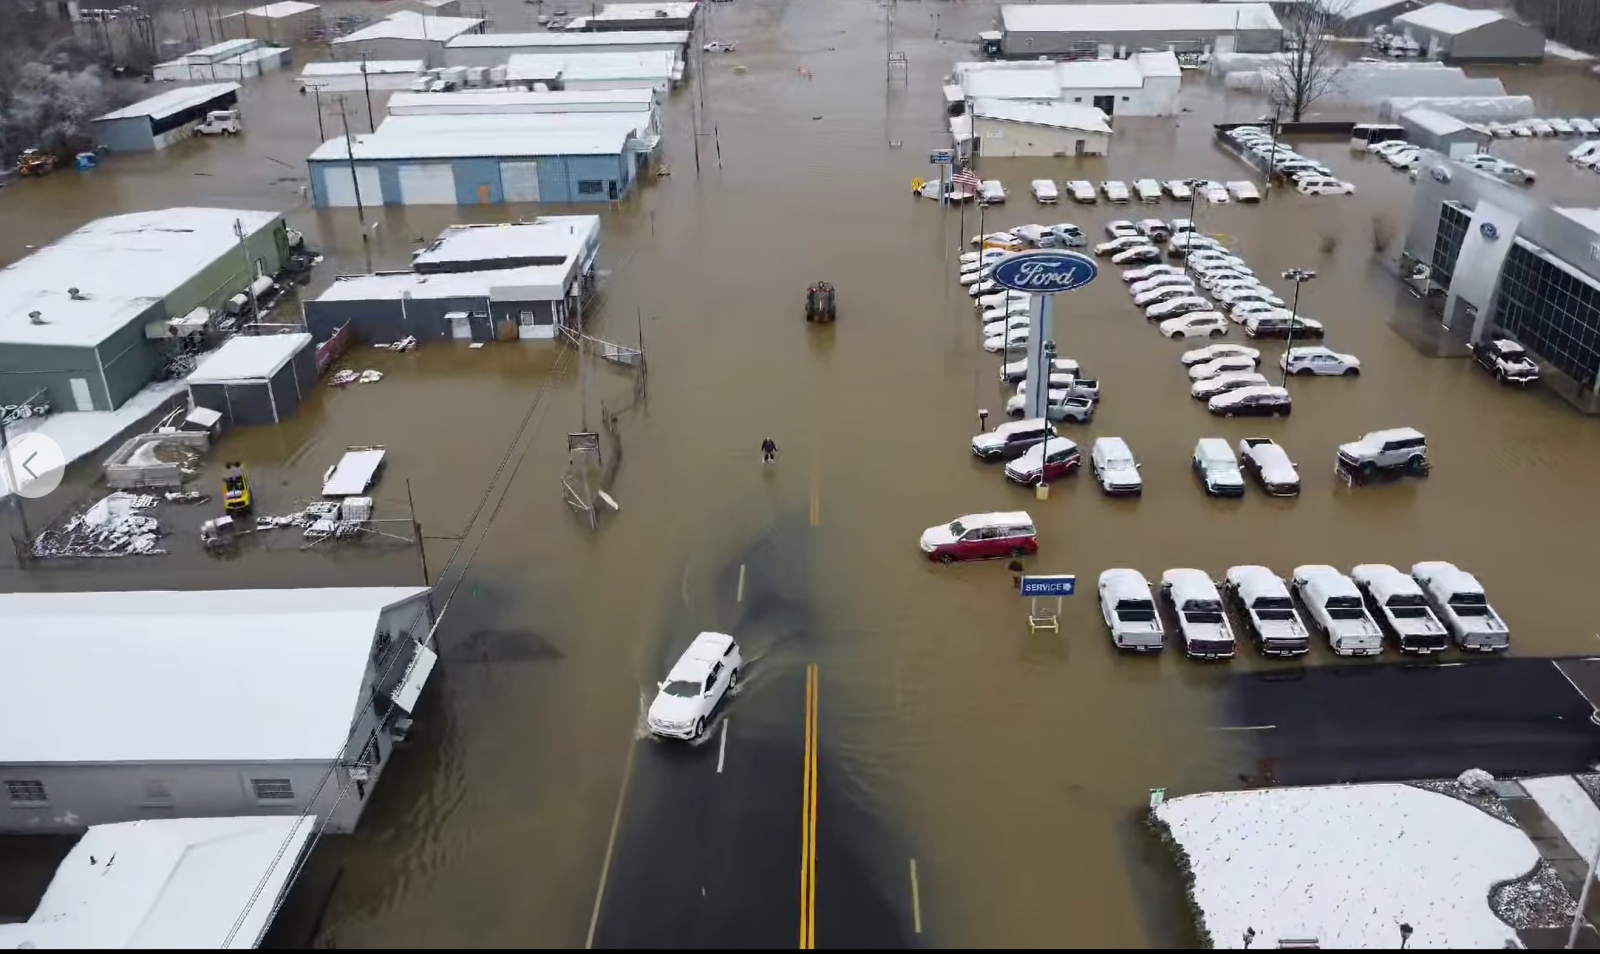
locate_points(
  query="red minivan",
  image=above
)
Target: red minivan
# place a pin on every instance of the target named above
(981, 536)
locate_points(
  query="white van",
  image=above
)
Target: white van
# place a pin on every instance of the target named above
(1044, 192)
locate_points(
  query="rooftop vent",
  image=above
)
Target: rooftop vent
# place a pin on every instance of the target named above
(36, 318)
(76, 295)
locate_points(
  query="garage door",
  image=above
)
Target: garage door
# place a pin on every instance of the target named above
(432, 183)
(519, 181)
(340, 190)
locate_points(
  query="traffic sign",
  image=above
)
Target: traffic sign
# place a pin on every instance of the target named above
(942, 157)
(1057, 584)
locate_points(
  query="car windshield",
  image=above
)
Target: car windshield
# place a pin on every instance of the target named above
(1119, 461)
(682, 688)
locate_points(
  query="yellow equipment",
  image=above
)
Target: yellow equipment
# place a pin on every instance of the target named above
(236, 490)
(32, 162)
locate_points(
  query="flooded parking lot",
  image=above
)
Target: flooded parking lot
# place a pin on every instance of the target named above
(1011, 766)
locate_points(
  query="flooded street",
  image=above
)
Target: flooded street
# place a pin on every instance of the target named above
(1013, 767)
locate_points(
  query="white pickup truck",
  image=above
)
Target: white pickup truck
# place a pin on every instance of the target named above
(1130, 611)
(1399, 602)
(1459, 600)
(1335, 607)
(1268, 610)
(220, 122)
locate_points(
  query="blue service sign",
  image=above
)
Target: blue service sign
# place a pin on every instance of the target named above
(1058, 584)
(1489, 231)
(1045, 272)
(942, 157)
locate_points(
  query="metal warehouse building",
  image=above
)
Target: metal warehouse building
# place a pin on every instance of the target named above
(85, 318)
(163, 119)
(405, 36)
(641, 103)
(639, 16)
(231, 59)
(256, 379)
(1363, 17)
(492, 49)
(287, 21)
(356, 76)
(659, 70)
(471, 283)
(1449, 32)
(1434, 130)
(1106, 30)
(484, 160)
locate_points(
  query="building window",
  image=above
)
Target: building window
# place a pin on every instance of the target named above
(1124, 99)
(591, 187)
(1453, 223)
(26, 791)
(272, 789)
(1077, 99)
(1550, 310)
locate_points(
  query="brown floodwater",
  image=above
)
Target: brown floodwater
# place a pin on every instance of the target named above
(1013, 761)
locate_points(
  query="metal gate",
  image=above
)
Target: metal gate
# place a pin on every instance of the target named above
(519, 181)
(432, 183)
(340, 190)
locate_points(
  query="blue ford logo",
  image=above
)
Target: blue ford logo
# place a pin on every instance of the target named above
(1489, 231)
(1045, 272)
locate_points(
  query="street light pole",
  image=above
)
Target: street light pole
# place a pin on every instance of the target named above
(1299, 276)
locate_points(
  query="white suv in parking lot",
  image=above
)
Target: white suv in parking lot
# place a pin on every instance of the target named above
(685, 701)
(1322, 185)
(1315, 359)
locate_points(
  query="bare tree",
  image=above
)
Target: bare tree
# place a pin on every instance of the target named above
(1308, 64)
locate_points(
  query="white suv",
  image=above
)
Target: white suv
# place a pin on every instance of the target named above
(685, 701)
(1322, 185)
(1113, 465)
(1315, 359)
(1217, 468)
(1400, 448)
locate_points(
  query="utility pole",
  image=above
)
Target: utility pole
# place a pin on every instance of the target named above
(1299, 276)
(316, 94)
(350, 159)
(366, 86)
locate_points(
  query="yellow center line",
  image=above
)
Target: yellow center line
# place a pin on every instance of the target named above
(816, 743)
(808, 821)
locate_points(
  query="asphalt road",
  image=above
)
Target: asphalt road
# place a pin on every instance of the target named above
(1398, 721)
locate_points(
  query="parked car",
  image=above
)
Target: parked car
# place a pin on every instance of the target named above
(1201, 324)
(1069, 236)
(1063, 404)
(1073, 386)
(992, 192)
(1122, 228)
(720, 46)
(1386, 146)
(1207, 388)
(1048, 462)
(1584, 127)
(1134, 275)
(1243, 293)
(1082, 191)
(1402, 449)
(1213, 352)
(1004, 241)
(1217, 468)
(982, 273)
(1269, 463)
(1214, 192)
(1508, 361)
(1185, 242)
(1400, 606)
(1178, 189)
(1114, 467)
(1122, 243)
(1221, 365)
(1003, 299)
(1008, 310)
(1244, 310)
(1201, 258)
(1244, 191)
(695, 686)
(1259, 401)
(1521, 130)
(953, 192)
(1201, 620)
(1315, 359)
(1561, 126)
(981, 536)
(1541, 127)
(1130, 612)
(1018, 370)
(1334, 605)
(1162, 293)
(1167, 280)
(1148, 190)
(1174, 307)
(1012, 340)
(1012, 439)
(1268, 610)
(1138, 255)
(1218, 271)
(1499, 168)
(1282, 326)
(1460, 603)
(1003, 325)
(1182, 226)
(1323, 185)
(1404, 158)
(1035, 235)
(1155, 229)
(1115, 191)
(987, 256)
(1045, 192)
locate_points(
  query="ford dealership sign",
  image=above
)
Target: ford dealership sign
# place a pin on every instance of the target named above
(1045, 272)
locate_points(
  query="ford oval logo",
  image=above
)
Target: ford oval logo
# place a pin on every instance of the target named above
(1489, 231)
(1045, 272)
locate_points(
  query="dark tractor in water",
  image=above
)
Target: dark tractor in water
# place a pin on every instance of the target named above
(819, 303)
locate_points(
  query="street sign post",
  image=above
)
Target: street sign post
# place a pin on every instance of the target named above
(1048, 586)
(944, 159)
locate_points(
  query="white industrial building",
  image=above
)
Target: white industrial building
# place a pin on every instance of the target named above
(405, 36)
(1144, 84)
(168, 884)
(240, 59)
(642, 103)
(1008, 129)
(1448, 32)
(1107, 30)
(493, 49)
(354, 76)
(138, 705)
(638, 16)
(286, 22)
(658, 70)
(163, 119)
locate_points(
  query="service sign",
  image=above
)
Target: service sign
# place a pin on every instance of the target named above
(1045, 272)
(1056, 584)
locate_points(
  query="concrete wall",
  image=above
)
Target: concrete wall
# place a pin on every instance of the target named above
(478, 179)
(1030, 44)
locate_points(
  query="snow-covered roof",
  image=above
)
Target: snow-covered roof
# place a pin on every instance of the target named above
(1351, 9)
(407, 25)
(645, 11)
(1058, 115)
(489, 134)
(167, 884)
(353, 67)
(529, 283)
(1447, 18)
(601, 38)
(656, 65)
(220, 51)
(466, 103)
(172, 101)
(281, 9)
(1100, 74)
(558, 237)
(186, 676)
(249, 358)
(1036, 81)
(1433, 121)
(1158, 63)
(1096, 18)
(121, 266)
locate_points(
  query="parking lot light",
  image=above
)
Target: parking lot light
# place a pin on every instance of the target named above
(1299, 276)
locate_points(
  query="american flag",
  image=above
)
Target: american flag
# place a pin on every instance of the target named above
(966, 177)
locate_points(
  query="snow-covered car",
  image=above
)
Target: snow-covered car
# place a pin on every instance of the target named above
(1049, 461)
(1315, 359)
(987, 286)
(1148, 190)
(1390, 145)
(1163, 293)
(1012, 439)
(1202, 622)
(1221, 364)
(1334, 605)
(1155, 229)
(1584, 127)
(1122, 228)
(697, 683)
(1521, 129)
(1114, 467)
(1045, 192)
(1216, 468)
(1244, 191)
(1194, 242)
(1160, 281)
(1561, 126)
(1508, 361)
(1270, 465)
(1258, 401)
(1174, 307)
(1069, 235)
(1003, 325)
(992, 192)
(1281, 324)
(1499, 168)
(1322, 185)
(1402, 449)
(1201, 324)
(971, 260)
(1018, 370)
(1121, 243)
(1081, 190)
(1215, 278)
(1213, 352)
(1012, 340)
(1268, 610)
(1541, 127)
(1182, 227)
(1215, 192)
(1005, 241)
(1133, 275)
(980, 274)
(1178, 189)
(1461, 604)
(1208, 388)
(1115, 190)
(1400, 605)
(1130, 612)
(1010, 309)
(1061, 404)
(1234, 296)
(1405, 159)
(1500, 130)
(1245, 310)
(1137, 255)
(1002, 299)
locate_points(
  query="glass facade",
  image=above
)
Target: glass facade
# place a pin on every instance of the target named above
(1550, 310)
(1453, 222)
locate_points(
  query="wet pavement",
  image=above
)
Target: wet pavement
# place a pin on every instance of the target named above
(1010, 766)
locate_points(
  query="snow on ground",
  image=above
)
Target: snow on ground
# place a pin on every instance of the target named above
(81, 433)
(1552, 48)
(1346, 865)
(1571, 809)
